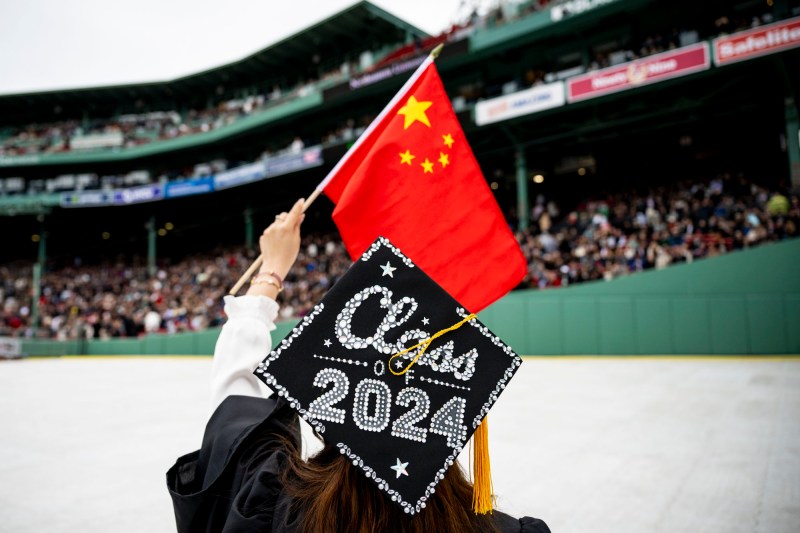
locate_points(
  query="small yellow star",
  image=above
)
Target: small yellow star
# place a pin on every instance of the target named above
(427, 166)
(406, 157)
(444, 159)
(448, 140)
(414, 111)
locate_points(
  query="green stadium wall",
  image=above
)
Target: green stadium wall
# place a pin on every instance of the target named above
(743, 303)
(746, 302)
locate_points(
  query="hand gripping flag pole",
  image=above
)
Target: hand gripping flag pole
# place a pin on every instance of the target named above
(260, 259)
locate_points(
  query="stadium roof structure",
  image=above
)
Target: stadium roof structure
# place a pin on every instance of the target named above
(360, 26)
(508, 117)
(582, 118)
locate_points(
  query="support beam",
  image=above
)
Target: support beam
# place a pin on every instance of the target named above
(37, 293)
(248, 228)
(793, 142)
(151, 246)
(42, 253)
(523, 207)
(38, 270)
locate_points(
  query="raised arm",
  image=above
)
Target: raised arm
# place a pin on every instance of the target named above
(245, 338)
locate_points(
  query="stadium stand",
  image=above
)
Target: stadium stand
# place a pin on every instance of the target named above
(134, 129)
(615, 142)
(597, 239)
(140, 128)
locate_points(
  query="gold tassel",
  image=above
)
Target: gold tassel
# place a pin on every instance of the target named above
(482, 489)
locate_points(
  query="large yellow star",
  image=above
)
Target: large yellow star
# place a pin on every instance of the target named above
(414, 111)
(448, 140)
(427, 166)
(406, 157)
(444, 159)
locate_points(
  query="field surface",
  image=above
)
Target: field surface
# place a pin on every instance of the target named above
(617, 445)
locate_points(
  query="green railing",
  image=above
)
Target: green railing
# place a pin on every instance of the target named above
(266, 116)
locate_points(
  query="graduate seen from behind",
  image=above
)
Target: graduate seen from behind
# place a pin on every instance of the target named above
(392, 407)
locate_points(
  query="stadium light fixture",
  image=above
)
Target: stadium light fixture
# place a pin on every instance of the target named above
(169, 226)
(538, 178)
(35, 237)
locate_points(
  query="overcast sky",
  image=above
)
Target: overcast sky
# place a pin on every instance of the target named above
(57, 44)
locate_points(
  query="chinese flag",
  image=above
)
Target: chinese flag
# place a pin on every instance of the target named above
(413, 179)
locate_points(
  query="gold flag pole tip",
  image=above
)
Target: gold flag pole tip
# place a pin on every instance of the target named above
(436, 51)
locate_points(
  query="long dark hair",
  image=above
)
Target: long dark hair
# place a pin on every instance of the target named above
(329, 494)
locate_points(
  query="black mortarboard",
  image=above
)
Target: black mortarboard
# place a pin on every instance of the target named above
(402, 431)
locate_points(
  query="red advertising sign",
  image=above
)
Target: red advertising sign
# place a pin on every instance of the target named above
(652, 69)
(757, 42)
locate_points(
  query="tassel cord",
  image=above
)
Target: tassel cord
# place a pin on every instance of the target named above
(424, 344)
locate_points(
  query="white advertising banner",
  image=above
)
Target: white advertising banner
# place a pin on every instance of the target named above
(10, 347)
(569, 8)
(520, 103)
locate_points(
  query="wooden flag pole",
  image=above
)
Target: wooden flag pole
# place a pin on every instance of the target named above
(257, 263)
(260, 259)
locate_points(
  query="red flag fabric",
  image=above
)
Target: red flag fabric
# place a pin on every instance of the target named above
(413, 179)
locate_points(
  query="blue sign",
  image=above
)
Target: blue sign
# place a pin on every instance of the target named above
(87, 198)
(283, 164)
(274, 166)
(135, 195)
(189, 187)
(240, 176)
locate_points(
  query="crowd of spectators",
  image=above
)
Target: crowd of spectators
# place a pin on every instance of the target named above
(136, 129)
(599, 239)
(623, 233)
(346, 131)
(123, 300)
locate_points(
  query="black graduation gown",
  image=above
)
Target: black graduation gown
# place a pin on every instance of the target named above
(232, 484)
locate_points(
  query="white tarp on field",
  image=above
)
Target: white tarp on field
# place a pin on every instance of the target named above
(589, 445)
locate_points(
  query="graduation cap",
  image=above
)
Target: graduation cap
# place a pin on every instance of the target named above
(394, 372)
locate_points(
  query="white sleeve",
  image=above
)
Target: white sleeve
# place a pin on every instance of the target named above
(244, 342)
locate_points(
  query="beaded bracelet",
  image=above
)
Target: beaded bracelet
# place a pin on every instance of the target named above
(268, 278)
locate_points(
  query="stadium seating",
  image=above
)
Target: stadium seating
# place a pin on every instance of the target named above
(594, 240)
(596, 186)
